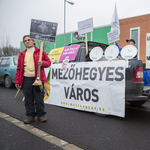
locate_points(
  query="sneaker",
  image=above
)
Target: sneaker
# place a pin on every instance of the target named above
(28, 120)
(42, 119)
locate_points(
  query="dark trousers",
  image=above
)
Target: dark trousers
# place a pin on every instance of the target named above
(34, 102)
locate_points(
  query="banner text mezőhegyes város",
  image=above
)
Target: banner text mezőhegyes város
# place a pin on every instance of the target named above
(86, 73)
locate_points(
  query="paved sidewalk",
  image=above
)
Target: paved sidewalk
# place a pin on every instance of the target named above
(15, 135)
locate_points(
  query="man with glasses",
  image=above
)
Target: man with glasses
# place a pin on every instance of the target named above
(26, 74)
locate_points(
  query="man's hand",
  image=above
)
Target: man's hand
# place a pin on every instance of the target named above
(40, 63)
(17, 86)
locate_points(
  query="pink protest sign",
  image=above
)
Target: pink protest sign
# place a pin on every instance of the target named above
(69, 52)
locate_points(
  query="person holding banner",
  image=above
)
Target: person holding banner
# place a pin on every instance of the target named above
(26, 74)
(129, 42)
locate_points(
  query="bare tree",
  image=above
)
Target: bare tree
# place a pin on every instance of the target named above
(5, 46)
(1, 52)
(7, 49)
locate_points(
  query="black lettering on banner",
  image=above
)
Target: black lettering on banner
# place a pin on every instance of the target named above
(78, 73)
(60, 73)
(87, 94)
(85, 73)
(93, 75)
(54, 73)
(72, 94)
(148, 38)
(64, 76)
(108, 73)
(148, 57)
(72, 65)
(101, 72)
(66, 92)
(119, 73)
(96, 96)
(71, 72)
(79, 94)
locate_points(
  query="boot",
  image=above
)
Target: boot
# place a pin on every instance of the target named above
(42, 119)
(28, 120)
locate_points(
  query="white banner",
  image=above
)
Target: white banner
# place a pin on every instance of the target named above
(90, 86)
(148, 50)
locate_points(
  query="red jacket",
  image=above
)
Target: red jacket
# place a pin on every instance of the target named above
(20, 65)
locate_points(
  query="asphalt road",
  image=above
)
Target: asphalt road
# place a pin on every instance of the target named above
(83, 129)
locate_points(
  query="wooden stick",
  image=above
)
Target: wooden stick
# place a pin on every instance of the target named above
(86, 43)
(16, 93)
(114, 29)
(41, 49)
(23, 98)
(40, 58)
(37, 83)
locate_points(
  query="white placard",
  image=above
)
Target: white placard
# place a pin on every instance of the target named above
(111, 52)
(85, 26)
(128, 52)
(113, 36)
(148, 51)
(90, 86)
(96, 53)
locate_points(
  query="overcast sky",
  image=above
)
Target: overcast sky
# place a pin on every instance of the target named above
(16, 15)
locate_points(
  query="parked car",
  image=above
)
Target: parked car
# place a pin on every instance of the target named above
(8, 67)
(134, 86)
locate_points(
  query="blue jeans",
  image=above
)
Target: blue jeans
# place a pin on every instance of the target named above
(34, 102)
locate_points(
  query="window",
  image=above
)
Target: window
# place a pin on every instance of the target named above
(0, 60)
(5, 62)
(8, 62)
(15, 60)
(135, 35)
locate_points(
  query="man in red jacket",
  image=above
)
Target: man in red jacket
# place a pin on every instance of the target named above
(26, 74)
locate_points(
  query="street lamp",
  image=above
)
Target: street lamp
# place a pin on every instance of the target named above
(71, 3)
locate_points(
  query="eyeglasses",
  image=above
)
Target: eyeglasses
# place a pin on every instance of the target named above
(27, 40)
(130, 43)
